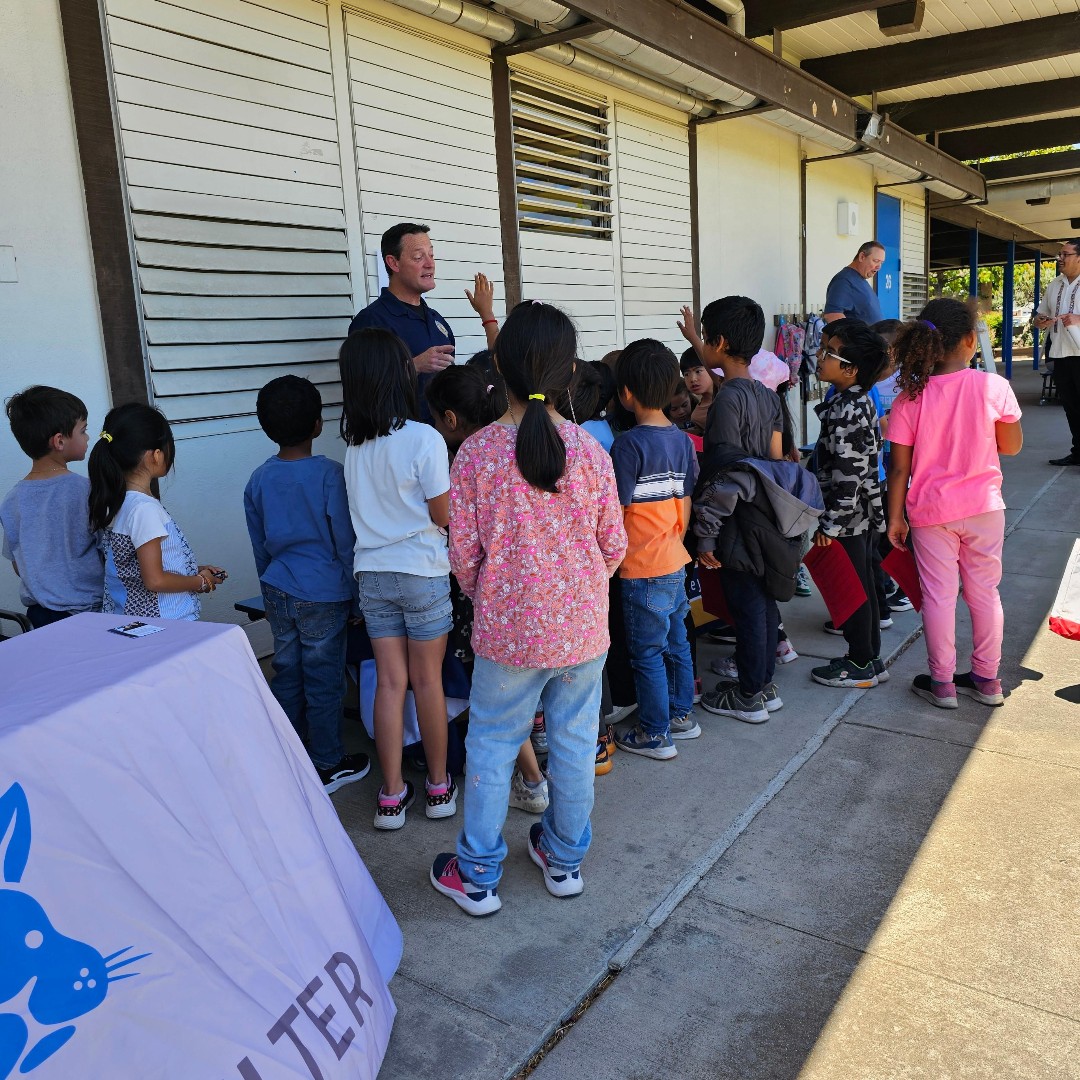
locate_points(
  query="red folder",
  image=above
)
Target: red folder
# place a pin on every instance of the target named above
(836, 580)
(899, 564)
(712, 594)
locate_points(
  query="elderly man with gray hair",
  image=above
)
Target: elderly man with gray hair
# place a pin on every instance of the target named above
(850, 295)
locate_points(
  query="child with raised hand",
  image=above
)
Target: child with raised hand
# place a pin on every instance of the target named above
(297, 515)
(655, 469)
(947, 428)
(848, 451)
(47, 535)
(398, 480)
(535, 532)
(150, 569)
(746, 417)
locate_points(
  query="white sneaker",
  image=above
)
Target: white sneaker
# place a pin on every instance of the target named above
(785, 652)
(522, 797)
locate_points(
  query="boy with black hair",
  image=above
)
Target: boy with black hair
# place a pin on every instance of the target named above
(655, 470)
(45, 516)
(745, 417)
(847, 456)
(302, 537)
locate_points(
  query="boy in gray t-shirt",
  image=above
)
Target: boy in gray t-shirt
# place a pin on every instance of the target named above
(45, 516)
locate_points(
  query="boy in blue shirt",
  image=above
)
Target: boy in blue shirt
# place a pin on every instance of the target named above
(302, 538)
(655, 470)
(45, 516)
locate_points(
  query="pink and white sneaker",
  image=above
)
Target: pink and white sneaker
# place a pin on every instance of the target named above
(785, 652)
(447, 879)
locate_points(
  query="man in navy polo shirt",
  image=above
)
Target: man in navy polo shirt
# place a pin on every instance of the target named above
(850, 295)
(410, 264)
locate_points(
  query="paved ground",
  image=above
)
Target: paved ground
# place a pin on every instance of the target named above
(865, 887)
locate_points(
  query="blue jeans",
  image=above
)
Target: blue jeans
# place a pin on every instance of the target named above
(309, 668)
(654, 614)
(501, 709)
(756, 619)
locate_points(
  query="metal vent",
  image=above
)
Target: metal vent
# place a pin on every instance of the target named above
(561, 161)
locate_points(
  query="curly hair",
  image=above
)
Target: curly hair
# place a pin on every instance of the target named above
(922, 345)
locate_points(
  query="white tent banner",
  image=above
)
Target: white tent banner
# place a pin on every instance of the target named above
(178, 898)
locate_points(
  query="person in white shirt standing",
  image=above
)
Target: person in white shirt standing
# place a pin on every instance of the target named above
(1059, 312)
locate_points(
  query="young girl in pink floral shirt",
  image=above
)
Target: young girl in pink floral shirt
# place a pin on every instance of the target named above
(536, 531)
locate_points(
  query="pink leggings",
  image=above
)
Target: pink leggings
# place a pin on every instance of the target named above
(971, 546)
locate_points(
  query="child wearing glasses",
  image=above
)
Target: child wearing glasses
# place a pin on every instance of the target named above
(852, 358)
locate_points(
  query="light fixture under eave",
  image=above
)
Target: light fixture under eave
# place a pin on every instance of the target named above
(869, 125)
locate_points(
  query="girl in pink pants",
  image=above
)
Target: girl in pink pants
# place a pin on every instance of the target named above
(947, 428)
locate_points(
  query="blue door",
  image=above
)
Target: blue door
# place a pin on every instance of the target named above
(887, 281)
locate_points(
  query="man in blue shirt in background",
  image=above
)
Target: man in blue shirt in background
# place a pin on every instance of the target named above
(850, 295)
(410, 263)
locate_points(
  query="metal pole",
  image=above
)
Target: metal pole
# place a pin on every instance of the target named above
(1034, 310)
(973, 262)
(1007, 306)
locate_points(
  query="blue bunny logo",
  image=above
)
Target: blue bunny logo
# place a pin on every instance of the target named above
(70, 977)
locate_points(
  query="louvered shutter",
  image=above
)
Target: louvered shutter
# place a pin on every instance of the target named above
(654, 225)
(425, 148)
(230, 152)
(912, 259)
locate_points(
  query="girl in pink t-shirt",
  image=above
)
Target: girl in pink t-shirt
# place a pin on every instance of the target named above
(536, 530)
(947, 428)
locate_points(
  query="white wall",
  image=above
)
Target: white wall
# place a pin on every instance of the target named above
(748, 213)
(49, 326)
(827, 184)
(748, 205)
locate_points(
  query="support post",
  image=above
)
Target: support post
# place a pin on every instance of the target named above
(1007, 306)
(973, 262)
(507, 180)
(1034, 311)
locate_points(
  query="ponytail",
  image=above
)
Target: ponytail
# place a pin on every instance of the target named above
(535, 352)
(130, 430)
(922, 345)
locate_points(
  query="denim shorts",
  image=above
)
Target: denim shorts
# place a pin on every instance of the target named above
(405, 605)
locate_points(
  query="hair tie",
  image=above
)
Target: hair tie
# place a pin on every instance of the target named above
(106, 436)
(927, 322)
(536, 397)
(490, 387)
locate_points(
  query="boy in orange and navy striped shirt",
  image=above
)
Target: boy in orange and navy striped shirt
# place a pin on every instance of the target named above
(655, 470)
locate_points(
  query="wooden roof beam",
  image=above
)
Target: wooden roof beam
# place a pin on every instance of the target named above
(945, 57)
(975, 143)
(696, 39)
(765, 16)
(973, 217)
(951, 111)
(1035, 165)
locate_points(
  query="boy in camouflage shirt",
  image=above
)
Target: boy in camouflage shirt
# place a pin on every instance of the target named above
(852, 358)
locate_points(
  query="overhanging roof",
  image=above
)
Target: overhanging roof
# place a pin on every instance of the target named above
(687, 34)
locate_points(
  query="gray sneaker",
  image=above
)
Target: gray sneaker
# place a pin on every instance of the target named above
(772, 698)
(533, 800)
(684, 727)
(726, 700)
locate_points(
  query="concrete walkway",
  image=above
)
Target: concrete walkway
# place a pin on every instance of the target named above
(866, 887)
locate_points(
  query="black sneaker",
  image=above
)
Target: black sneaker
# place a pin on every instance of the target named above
(843, 671)
(350, 768)
(722, 634)
(831, 628)
(1068, 459)
(900, 603)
